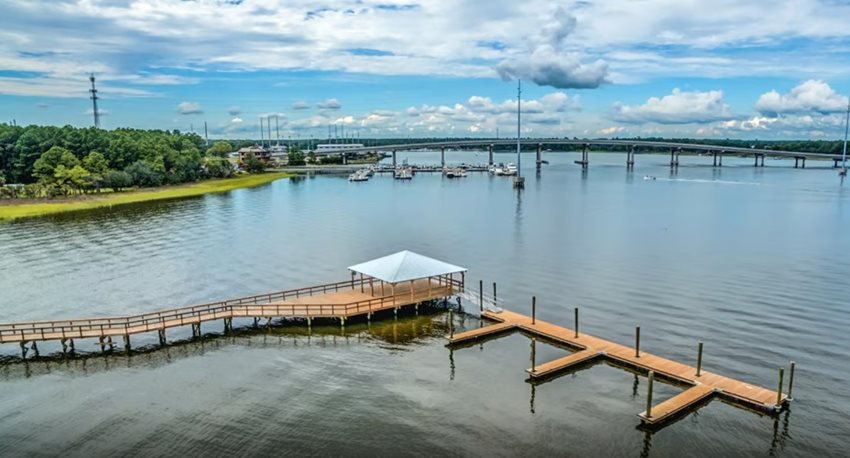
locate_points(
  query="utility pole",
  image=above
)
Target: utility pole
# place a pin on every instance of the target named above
(844, 154)
(206, 136)
(94, 98)
(262, 140)
(277, 128)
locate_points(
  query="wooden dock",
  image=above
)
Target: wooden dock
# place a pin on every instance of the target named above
(341, 300)
(701, 388)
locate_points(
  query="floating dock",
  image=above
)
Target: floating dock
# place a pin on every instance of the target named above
(702, 385)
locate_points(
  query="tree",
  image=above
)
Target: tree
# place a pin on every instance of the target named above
(295, 157)
(220, 149)
(117, 180)
(45, 167)
(217, 167)
(252, 164)
(143, 174)
(97, 166)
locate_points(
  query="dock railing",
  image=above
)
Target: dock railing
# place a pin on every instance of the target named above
(261, 305)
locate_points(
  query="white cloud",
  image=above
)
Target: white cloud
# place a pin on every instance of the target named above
(189, 108)
(300, 105)
(812, 96)
(545, 63)
(679, 107)
(329, 104)
(234, 111)
(611, 130)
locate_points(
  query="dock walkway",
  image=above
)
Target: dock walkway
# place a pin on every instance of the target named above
(339, 300)
(589, 348)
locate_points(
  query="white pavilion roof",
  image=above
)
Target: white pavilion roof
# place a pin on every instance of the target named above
(403, 266)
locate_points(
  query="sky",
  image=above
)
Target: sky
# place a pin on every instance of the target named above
(759, 69)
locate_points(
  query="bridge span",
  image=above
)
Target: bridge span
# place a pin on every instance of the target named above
(634, 147)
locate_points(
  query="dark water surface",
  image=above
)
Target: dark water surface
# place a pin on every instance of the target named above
(752, 262)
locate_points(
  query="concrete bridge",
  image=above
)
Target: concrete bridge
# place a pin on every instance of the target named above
(634, 147)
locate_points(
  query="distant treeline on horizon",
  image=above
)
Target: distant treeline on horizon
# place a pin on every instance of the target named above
(175, 157)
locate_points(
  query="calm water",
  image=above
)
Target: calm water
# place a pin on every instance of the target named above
(752, 262)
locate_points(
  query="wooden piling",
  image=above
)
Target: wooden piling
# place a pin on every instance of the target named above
(533, 309)
(791, 381)
(649, 394)
(637, 341)
(495, 302)
(533, 354)
(779, 388)
(576, 313)
(481, 295)
(699, 360)
(126, 343)
(451, 323)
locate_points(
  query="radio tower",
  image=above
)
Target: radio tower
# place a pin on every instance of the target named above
(94, 98)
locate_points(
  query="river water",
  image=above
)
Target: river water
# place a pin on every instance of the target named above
(751, 261)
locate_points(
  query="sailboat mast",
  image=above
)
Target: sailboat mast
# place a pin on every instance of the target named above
(518, 115)
(846, 127)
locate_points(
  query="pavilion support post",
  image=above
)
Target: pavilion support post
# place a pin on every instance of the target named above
(382, 288)
(126, 343)
(309, 323)
(429, 287)
(342, 322)
(411, 290)
(361, 282)
(352, 279)
(371, 287)
(462, 281)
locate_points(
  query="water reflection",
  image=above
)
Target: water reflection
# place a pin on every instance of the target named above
(401, 331)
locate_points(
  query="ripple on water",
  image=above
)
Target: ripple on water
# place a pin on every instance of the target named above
(754, 272)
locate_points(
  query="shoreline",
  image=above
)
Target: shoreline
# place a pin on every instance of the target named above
(29, 208)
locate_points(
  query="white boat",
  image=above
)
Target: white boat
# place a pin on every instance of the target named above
(509, 170)
(359, 175)
(404, 173)
(455, 173)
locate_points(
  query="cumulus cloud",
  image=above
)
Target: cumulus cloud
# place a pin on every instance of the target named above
(679, 107)
(545, 62)
(812, 96)
(613, 130)
(329, 104)
(300, 105)
(189, 108)
(234, 111)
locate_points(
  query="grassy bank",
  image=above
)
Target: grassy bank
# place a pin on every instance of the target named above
(23, 208)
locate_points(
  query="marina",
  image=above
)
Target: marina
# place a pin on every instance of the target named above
(728, 272)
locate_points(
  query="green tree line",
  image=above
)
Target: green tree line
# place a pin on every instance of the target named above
(66, 160)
